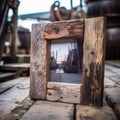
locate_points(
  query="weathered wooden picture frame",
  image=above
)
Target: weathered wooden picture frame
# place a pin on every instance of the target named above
(91, 91)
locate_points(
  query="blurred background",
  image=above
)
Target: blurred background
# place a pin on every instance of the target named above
(17, 16)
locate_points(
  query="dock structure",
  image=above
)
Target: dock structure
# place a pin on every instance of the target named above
(93, 97)
(15, 102)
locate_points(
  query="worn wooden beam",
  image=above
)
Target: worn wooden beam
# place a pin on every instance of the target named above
(10, 99)
(15, 67)
(93, 61)
(64, 29)
(64, 92)
(17, 112)
(7, 75)
(39, 63)
(14, 33)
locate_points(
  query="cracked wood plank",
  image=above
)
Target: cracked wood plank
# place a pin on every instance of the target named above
(93, 61)
(39, 63)
(64, 92)
(64, 29)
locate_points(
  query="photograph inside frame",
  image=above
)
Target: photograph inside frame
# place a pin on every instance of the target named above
(66, 60)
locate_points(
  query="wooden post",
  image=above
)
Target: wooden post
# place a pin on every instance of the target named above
(14, 32)
(93, 61)
(39, 63)
(3, 25)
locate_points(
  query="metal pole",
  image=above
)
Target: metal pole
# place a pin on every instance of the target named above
(71, 3)
(81, 4)
(56, 54)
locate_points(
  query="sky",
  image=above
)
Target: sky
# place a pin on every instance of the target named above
(35, 6)
(57, 51)
(61, 49)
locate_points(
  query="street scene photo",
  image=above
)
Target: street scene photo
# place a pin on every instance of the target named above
(66, 61)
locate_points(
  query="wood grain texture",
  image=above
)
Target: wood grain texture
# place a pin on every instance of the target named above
(94, 113)
(15, 67)
(20, 109)
(10, 99)
(93, 61)
(64, 29)
(112, 95)
(117, 110)
(63, 92)
(39, 63)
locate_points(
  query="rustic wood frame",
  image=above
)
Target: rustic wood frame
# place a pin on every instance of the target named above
(91, 91)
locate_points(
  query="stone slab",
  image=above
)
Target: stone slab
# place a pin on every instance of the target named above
(94, 113)
(45, 110)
